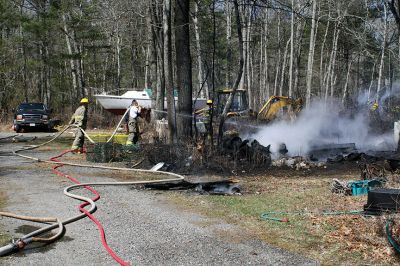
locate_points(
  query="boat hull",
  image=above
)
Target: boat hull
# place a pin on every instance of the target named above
(118, 104)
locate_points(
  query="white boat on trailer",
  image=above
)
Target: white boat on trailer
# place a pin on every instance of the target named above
(117, 104)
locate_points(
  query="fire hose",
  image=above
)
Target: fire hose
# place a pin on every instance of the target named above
(271, 216)
(31, 237)
(389, 235)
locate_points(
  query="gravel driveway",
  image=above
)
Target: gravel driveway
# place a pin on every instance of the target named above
(142, 227)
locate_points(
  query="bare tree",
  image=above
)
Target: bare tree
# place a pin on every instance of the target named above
(157, 33)
(310, 62)
(383, 48)
(239, 74)
(395, 9)
(291, 51)
(183, 69)
(169, 84)
(202, 84)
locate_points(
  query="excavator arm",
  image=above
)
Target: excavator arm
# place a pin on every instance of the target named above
(275, 103)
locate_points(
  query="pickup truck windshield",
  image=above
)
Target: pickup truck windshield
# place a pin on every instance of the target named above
(31, 106)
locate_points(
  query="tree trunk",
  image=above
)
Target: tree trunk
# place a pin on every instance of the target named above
(239, 75)
(184, 69)
(68, 38)
(169, 84)
(321, 63)
(244, 51)
(118, 55)
(228, 11)
(151, 61)
(333, 66)
(291, 52)
(248, 63)
(202, 84)
(372, 81)
(395, 11)
(261, 67)
(278, 61)
(345, 90)
(378, 89)
(158, 42)
(310, 62)
(296, 64)
(266, 91)
(147, 65)
(283, 68)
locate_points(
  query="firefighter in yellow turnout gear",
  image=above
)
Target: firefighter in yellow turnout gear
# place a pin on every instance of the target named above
(80, 119)
(206, 114)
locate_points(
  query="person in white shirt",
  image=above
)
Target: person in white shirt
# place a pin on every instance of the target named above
(133, 126)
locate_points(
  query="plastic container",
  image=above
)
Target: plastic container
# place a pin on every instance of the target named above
(382, 200)
(361, 187)
(118, 138)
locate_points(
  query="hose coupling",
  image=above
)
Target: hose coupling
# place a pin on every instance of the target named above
(20, 243)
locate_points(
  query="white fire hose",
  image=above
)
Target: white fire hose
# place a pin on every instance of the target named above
(31, 237)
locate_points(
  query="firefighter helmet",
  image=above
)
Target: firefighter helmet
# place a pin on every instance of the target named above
(84, 100)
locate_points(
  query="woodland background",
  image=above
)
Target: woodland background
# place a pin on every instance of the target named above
(59, 51)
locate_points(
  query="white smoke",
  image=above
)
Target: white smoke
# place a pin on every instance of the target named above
(321, 124)
(367, 99)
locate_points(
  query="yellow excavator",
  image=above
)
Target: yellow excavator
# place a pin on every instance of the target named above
(270, 110)
(274, 104)
(242, 119)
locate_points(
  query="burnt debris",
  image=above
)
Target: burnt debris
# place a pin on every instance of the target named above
(220, 187)
(336, 151)
(252, 151)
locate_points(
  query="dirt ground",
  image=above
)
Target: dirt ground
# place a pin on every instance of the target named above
(303, 197)
(300, 197)
(143, 227)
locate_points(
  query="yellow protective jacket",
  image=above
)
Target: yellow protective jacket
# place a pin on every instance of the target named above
(206, 114)
(80, 117)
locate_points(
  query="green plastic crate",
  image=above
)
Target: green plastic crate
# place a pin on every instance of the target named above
(361, 187)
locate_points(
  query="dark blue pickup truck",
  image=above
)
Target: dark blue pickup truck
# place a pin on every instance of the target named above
(32, 115)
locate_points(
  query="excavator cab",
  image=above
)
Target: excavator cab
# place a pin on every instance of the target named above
(239, 105)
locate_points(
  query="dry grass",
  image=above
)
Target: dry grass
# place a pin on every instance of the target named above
(339, 239)
(4, 238)
(331, 239)
(2, 199)
(6, 127)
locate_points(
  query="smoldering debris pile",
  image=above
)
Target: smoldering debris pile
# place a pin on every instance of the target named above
(331, 150)
(249, 150)
(297, 162)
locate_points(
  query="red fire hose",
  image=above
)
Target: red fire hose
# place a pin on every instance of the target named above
(82, 209)
(32, 236)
